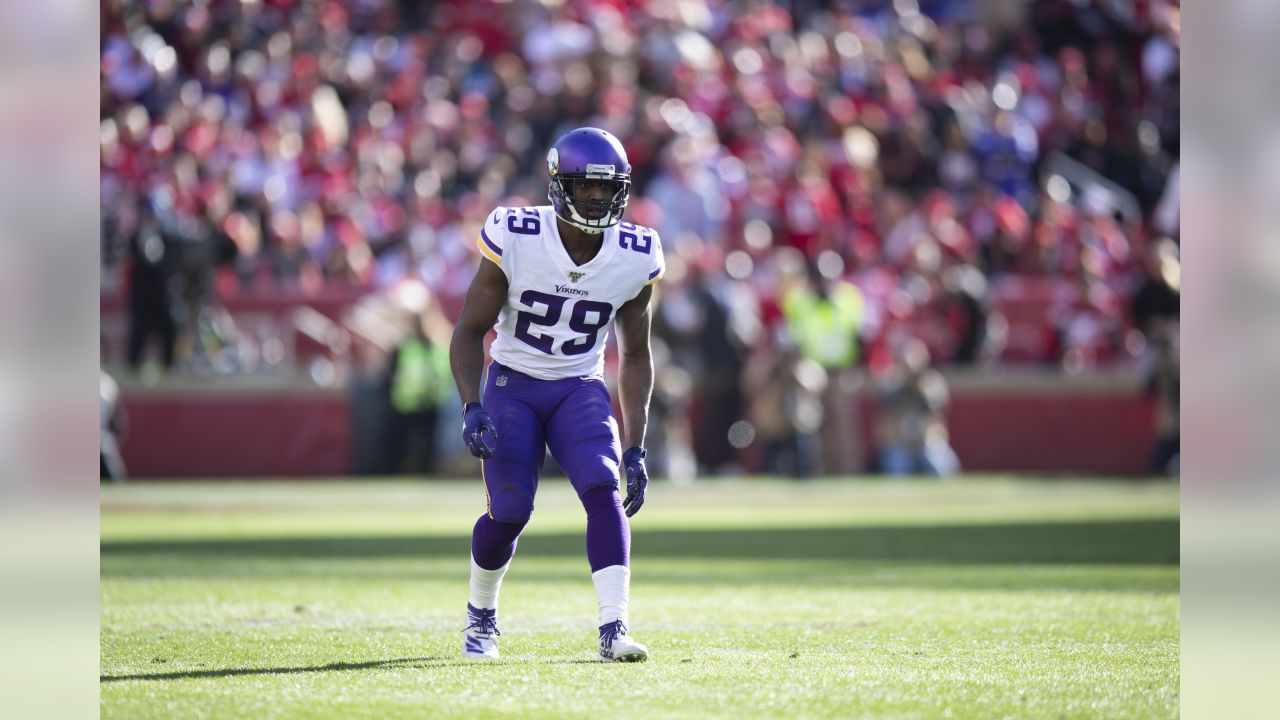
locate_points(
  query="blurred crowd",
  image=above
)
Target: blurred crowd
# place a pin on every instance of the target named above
(981, 181)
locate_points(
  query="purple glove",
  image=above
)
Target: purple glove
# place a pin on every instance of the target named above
(637, 479)
(478, 431)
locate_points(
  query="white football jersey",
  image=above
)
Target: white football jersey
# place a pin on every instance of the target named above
(557, 315)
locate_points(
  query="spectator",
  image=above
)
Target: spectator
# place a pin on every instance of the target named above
(911, 428)
(966, 305)
(785, 406)
(825, 317)
(1164, 385)
(1156, 304)
(692, 199)
(200, 247)
(151, 292)
(720, 360)
(418, 381)
(811, 210)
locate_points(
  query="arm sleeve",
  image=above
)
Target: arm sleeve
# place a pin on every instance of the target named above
(491, 236)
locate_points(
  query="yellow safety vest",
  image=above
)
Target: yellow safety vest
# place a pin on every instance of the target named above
(826, 330)
(422, 376)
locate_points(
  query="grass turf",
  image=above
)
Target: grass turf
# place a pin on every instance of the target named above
(979, 598)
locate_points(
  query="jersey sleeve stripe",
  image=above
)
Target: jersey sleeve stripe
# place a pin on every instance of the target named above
(653, 275)
(485, 237)
(484, 250)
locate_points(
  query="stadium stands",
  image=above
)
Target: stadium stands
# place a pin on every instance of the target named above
(990, 174)
(355, 143)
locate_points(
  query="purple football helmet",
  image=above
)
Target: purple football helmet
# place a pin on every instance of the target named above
(588, 155)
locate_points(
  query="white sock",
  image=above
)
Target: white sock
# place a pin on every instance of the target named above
(612, 586)
(485, 585)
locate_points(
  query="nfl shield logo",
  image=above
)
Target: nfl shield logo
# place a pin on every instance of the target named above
(576, 276)
(502, 381)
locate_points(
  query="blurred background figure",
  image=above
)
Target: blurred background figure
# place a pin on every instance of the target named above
(1156, 310)
(209, 334)
(1157, 304)
(111, 430)
(1164, 385)
(824, 314)
(151, 291)
(966, 304)
(785, 406)
(691, 196)
(912, 427)
(721, 359)
(419, 382)
(671, 433)
(701, 320)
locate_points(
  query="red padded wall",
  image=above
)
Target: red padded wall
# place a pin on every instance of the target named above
(230, 434)
(176, 433)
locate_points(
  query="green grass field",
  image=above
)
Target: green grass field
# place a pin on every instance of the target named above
(978, 598)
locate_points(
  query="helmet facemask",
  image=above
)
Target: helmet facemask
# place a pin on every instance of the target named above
(589, 216)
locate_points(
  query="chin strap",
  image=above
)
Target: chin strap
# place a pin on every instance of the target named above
(579, 222)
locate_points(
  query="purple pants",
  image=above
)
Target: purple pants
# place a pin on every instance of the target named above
(573, 417)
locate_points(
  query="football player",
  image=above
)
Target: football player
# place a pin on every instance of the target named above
(552, 280)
